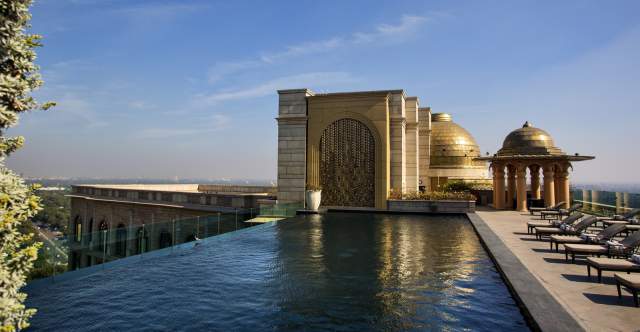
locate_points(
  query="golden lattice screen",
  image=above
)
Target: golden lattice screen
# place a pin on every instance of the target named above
(347, 164)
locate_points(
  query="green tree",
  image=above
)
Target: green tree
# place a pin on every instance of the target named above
(18, 78)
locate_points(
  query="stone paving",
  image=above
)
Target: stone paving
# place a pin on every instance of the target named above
(595, 306)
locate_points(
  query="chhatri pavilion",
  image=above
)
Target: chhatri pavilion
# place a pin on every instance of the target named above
(533, 149)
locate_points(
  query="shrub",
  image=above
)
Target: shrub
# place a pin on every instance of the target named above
(433, 196)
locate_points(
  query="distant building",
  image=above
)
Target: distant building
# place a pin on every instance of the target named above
(115, 221)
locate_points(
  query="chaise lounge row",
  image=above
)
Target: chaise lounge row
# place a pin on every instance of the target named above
(576, 234)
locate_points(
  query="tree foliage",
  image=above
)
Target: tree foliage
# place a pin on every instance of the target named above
(55, 209)
(18, 78)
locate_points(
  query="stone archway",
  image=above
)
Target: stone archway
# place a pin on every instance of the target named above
(347, 164)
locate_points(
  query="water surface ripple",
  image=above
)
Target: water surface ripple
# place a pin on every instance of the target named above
(337, 272)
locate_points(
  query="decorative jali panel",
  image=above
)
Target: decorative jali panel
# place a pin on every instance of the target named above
(347, 164)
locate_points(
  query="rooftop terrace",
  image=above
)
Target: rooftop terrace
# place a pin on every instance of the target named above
(593, 305)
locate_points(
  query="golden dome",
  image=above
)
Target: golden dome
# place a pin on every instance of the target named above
(529, 140)
(451, 145)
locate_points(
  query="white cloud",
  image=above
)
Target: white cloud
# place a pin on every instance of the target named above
(316, 79)
(408, 25)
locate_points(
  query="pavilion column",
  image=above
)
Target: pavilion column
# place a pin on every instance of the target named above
(563, 186)
(625, 200)
(556, 179)
(498, 189)
(493, 178)
(511, 186)
(535, 181)
(549, 188)
(521, 188)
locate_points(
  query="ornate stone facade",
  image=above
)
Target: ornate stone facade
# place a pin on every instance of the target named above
(403, 152)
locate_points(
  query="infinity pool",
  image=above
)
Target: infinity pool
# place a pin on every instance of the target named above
(339, 271)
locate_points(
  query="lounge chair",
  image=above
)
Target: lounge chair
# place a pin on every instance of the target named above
(566, 229)
(627, 247)
(570, 211)
(631, 282)
(621, 218)
(603, 236)
(554, 213)
(548, 208)
(531, 225)
(610, 264)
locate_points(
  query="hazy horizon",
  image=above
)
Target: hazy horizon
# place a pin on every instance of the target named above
(187, 89)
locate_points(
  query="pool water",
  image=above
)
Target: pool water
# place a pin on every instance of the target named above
(338, 271)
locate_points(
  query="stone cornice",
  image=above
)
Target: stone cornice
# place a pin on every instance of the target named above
(301, 119)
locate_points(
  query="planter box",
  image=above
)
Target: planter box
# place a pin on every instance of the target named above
(421, 206)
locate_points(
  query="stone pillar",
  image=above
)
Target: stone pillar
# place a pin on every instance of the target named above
(397, 138)
(292, 144)
(424, 132)
(535, 181)
(495, 181)
(625, 200)
(549, 187)
(412, 144)
(556, 183)
(521, 188)
(594, 201)
(619, 209)
(511, 186)
(498, 172)
(563, 186)
(585, 199)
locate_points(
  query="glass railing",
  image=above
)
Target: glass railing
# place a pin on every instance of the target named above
(281, 210)
(605, 203)
(109, 243)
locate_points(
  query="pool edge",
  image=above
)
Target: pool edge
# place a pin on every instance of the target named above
(41, 283)
(542, 311)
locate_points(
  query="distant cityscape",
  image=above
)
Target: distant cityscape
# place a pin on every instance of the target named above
(66, 182)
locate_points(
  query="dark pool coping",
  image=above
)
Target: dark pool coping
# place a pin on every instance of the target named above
(540, 308)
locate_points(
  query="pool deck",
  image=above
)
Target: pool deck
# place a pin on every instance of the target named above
(594, 306)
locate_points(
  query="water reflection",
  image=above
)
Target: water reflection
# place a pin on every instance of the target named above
(346, 272)
(385, 271)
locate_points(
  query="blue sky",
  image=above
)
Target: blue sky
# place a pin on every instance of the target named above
(188, 88)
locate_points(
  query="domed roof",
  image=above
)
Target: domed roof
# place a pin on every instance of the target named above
(451, 145)
(529, 140)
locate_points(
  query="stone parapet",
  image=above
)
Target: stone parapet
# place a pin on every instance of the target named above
(423, 206)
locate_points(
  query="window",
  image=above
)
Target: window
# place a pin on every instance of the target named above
(77, 231)
(165, 239)
(90, 230)
(121, 241)
(193, 199)
(142, 241)
(103, 228)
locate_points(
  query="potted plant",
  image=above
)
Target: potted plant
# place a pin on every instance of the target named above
(313, 195)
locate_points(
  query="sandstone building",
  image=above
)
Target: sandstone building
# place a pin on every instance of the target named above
(360, 146)
(114, 221)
